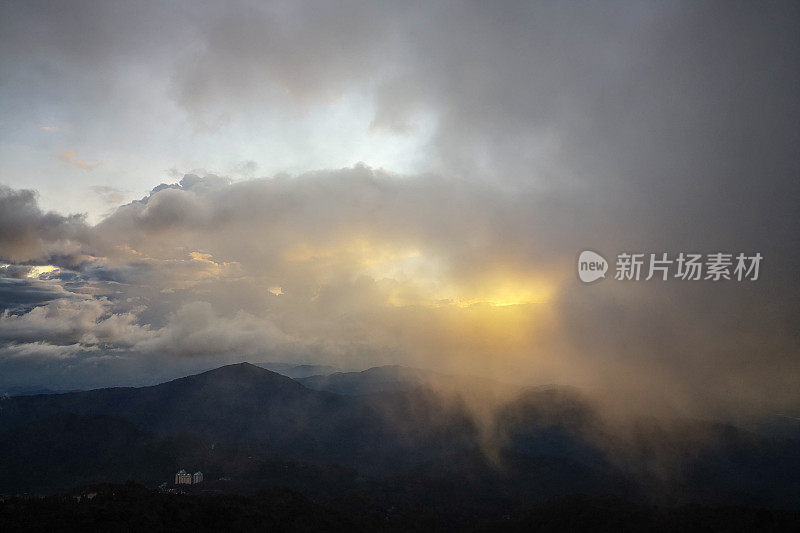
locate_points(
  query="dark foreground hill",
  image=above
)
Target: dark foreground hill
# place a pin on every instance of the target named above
(133, 508)
(246, 404)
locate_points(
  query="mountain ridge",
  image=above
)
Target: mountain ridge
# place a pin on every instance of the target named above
(394, 432)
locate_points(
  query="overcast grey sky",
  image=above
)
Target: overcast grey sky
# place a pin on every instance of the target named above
(362, 183)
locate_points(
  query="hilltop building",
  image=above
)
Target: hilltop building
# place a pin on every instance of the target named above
(184, 478)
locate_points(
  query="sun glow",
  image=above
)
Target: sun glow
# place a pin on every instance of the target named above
(410, 277)
(496, 293)
(37, 271)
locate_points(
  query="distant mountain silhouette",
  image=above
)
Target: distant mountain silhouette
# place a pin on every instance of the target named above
(394, 378)
(377, 379)
(31, 391)
(299, 371)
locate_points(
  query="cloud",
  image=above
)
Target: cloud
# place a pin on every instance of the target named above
(246, 168)
(379, 268)
(554, 128)
(29, 235)
(291, 53)
(109, 195)
(68, 156)
(195, 329)
(86, 322)
(40, 351)
(397, 102)
(18, 292)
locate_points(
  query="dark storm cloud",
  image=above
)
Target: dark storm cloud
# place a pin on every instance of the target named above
(17, 295)
(14, 271)
(668, 117)
(675, 116)
(132, 272)
(29, 235)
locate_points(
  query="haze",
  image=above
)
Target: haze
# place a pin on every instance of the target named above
(352, 184)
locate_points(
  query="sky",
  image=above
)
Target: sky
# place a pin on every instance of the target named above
(188, 184)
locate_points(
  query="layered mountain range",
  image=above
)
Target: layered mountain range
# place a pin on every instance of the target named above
(401, 436)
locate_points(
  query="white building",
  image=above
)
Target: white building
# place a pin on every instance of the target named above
(182, 478)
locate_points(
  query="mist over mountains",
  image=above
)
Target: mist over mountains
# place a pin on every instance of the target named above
(396, 434)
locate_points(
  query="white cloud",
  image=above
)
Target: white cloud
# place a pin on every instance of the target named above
(87, 322)
(69, 156)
